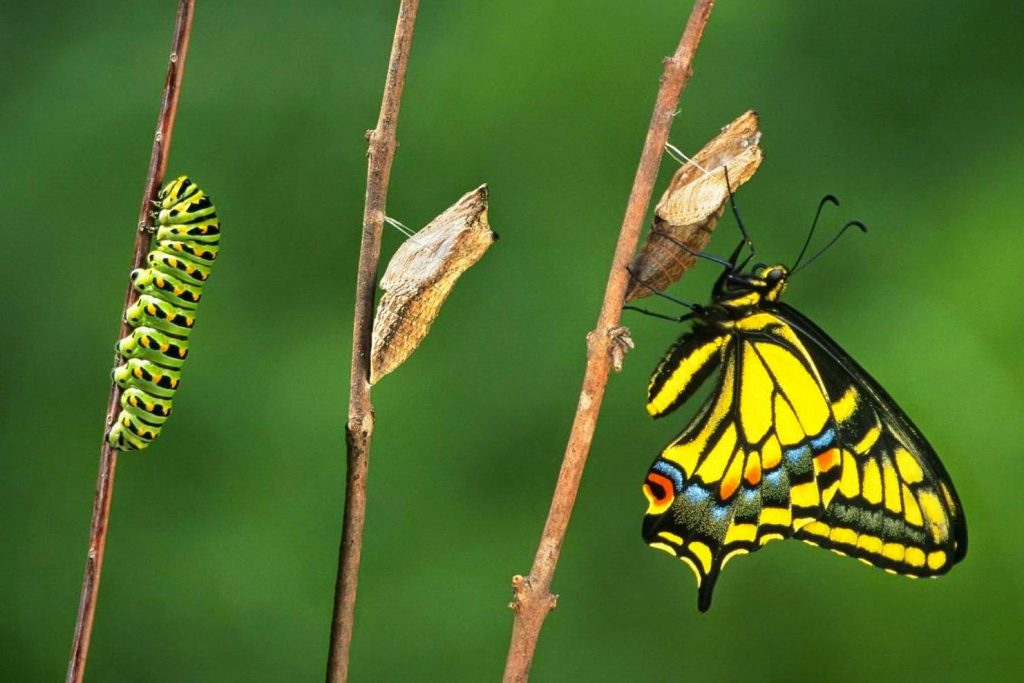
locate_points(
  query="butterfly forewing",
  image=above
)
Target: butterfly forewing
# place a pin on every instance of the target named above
(896, 507)
(683, 370)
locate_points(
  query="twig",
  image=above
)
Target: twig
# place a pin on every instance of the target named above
(360, 411)
(108, 455)
(532, 599)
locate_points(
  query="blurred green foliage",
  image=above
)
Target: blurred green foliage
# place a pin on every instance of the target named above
(221, 556)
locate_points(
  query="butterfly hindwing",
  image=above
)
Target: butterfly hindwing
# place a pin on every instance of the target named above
(757, 463)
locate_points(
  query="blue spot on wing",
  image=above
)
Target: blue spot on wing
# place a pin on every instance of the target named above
(798, 453)
(719, 511)
(824, 441)
(696, 494)
(773, 477)
(672, 472)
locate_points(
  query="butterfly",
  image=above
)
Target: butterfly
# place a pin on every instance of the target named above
(796, 440)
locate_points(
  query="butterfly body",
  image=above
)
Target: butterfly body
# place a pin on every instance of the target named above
(795, 441)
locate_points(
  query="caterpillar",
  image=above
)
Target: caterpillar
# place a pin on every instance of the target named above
(170, 288)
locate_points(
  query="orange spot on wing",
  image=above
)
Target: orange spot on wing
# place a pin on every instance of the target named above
(753, 473)
(729, 486)
(827, 460)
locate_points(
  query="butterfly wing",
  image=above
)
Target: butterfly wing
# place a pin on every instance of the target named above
(895, 507)
(685, 367)
(757, 463)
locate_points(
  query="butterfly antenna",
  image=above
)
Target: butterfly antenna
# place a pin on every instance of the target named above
(807, 242)
(863, 228)
(736, 215)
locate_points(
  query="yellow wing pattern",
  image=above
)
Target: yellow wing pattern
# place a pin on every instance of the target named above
(772, 455)
(895, 507)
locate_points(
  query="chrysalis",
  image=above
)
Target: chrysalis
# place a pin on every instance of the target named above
(693, 203)
(420, 276)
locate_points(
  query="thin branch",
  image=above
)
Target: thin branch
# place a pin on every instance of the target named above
(532, 597)
(108, 455)
(359, 429)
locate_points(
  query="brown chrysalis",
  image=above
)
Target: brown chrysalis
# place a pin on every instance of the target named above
(692, 204)
(420, 276)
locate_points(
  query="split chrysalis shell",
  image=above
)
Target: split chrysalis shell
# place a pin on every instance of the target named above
(692, 204)
(420, 276)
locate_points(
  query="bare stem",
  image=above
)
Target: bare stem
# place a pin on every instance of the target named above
(108, 455)
(359, 429)
(532, 598)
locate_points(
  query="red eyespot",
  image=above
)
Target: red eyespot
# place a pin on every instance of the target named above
(658, 490)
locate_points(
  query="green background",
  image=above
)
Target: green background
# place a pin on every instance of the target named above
(221, 556)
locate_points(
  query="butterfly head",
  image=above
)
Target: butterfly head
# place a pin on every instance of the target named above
(744, 292)
(770, 280)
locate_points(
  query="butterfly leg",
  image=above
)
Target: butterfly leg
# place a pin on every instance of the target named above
(696, 254)
(696, 308)
(653, 314)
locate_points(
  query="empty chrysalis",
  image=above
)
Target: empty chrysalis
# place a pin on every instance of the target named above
(420, 276)
(693, 202)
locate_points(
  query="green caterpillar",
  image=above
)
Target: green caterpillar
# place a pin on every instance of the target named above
(170, 287)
